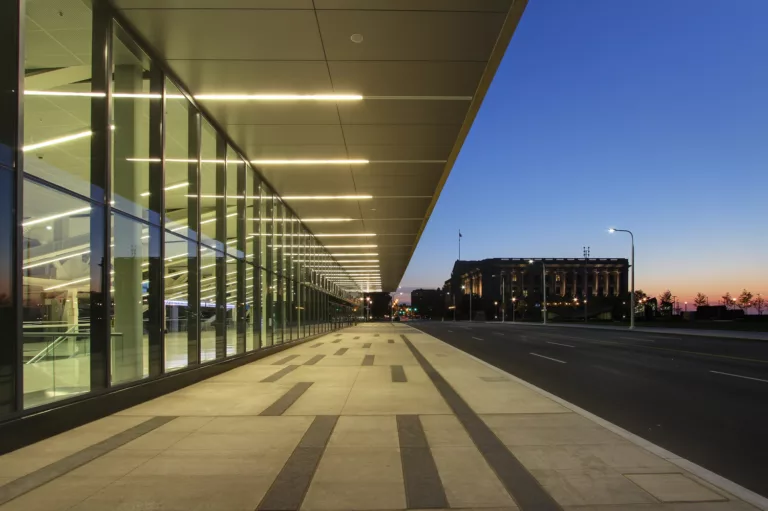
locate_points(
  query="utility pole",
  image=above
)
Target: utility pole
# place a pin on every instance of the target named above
(586, 272)
(503, 300)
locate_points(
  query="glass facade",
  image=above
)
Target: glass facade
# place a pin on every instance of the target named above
(144, 242)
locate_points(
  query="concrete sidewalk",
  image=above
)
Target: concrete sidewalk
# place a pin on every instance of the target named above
(725, 334)
(376, 417)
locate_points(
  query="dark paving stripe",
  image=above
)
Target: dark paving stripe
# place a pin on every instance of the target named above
(316, 345)
(375, 335)
(279, 374)
(289, 488)
(423, 488)
(287, 399)
(367, 345)
(285, 360)
(337, 335)
(336, 341)
(356, 337)
(314, 360)
(368, 360)
(391, 341)
(398, 374)
(56, 469)
(341, 351)
(524, 488)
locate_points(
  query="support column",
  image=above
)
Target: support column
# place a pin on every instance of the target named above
(607, 285)
(617, 286)
(597, 282)
(575, 282)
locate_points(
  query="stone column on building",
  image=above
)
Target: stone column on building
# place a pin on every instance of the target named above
(575, 281)
(617, 287)
(597, 282)
(607, 280)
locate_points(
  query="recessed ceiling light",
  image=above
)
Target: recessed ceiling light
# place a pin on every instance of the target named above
(356, 38)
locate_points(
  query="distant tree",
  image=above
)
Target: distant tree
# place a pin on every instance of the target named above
(700, 300)
(727, 300)
(666, 296)
(759, 304)
(640, 295)
(521, 306)
(745, 300)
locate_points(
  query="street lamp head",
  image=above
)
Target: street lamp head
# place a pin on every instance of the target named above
(530, 261)
(611, 230)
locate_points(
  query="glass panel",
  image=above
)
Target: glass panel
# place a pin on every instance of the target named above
(230, 322)
(251, 241)
(180, 257)
(279, 253)
(130, 118)
(208, 195)
(232, 198)
(180, 135)
(57, 128)
(8, 304)
(55, 295)
(130, 292)
(267, 226)
(208, 320)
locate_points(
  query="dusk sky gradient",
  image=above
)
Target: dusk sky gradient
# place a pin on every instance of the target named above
(649, 116)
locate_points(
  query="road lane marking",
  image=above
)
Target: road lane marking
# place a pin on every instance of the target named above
(548, 358)
(566, 345)
(637, 339)
(739, 376)
(477, 339)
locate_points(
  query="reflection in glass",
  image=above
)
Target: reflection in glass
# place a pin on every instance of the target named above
(208, 320)
(57, 129)
(130, 289)
(180, 257)
(55, 297)
(208, 191)
(130, 111)
(180, 174)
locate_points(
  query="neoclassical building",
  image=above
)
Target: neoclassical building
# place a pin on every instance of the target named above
(521, 278)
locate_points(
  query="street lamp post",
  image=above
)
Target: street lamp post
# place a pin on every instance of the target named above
(513, 308)
(544, 289)
(632, 266)
(503, 301)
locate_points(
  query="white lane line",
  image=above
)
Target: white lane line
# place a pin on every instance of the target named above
(739, 376)
(636, 339)
(566, 345)
(548, 358)
(477, 339)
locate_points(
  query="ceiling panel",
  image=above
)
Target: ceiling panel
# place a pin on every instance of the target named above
(403, 112)
(409, 35)
(257, 151)
(398, 78)
(427, 134)
(253, 76)
(258, 135)
(213, 4)
(417, 5)
(273, 113)
(400, 153)
(230, 35)
(304, 181)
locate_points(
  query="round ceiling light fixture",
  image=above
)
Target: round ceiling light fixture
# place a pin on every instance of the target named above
(356, 38)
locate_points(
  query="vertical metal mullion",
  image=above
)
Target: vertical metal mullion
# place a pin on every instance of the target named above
(156, 312)
(101, 186)
(256, 316)
(240, 305)
(221, 238)
(12, 162)
(193, 221)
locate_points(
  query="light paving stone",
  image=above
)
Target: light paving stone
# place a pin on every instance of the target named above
(59, 494)
(323, 376)
(571, 457)
(591, 487)
(395, 399)
(318, 400)
(179, 493)
(357, 478)
(673, 487)
(377, 431)
(468, 480)
(445, 431)
(115, 464)
(215, 463)
(548, 429)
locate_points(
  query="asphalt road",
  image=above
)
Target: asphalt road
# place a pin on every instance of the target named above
(703, 398)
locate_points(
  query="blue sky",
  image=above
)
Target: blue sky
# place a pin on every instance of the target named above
(650, 116)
